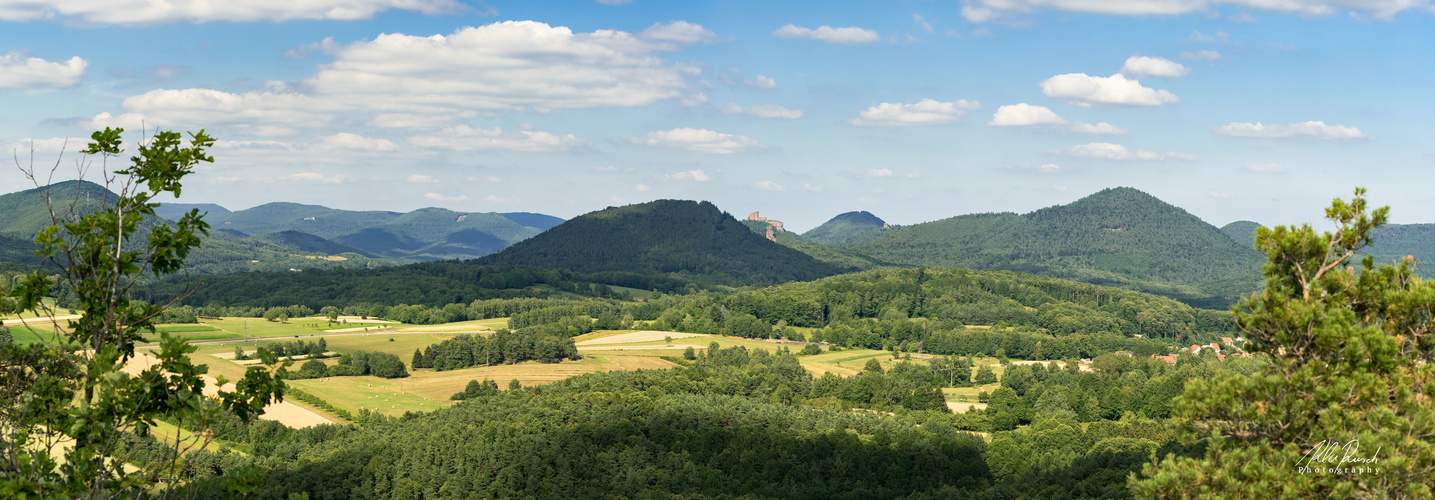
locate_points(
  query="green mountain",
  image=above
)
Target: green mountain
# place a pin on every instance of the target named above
(665, 237)
(1242, 231)
(309, 243)
(538, 221)
(844, 227)
(173, 211)
(26, 212)
(1119, 236)
(1392, 242)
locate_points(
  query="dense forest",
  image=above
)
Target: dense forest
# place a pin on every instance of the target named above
(685, 239)
(733, 423)
(1120, 236)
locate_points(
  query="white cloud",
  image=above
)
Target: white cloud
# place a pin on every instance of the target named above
(812, 188)
(405, 80)
(1203, 55)
(688, 175)
(851, 35)
(52, 145)
(642, 187)
(924, 112)
(422, 179)
(1117, 152)
(1081, 89)
(985, 10)
(345, 140)
(1048, 168)
(1269, 168)
(440, 197)
(1305, 130)
(465, 138)
(922, 23)
(761, 82)
(146, 12)
(699, 140)
(768, 186)
(1153, 66)
(1023, 114)
(127, 121)
(679, 31)
(20, 71)
(914, 175)
(763, 111)
(313, 177)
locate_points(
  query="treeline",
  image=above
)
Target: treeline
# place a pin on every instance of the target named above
(432, 284)
(353, 364)
(503, 347)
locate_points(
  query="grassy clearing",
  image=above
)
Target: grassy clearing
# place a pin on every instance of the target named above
(26, 335)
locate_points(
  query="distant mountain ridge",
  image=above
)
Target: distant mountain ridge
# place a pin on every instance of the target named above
(1391, 243)
(665, 237)
(844, 227)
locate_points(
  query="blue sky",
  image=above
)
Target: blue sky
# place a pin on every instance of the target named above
(915, 111)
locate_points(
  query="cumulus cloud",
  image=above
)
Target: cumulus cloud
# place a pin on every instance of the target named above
(763, 111)
(52, 145)
(440, 197)
(465, 138)
(986, 10)
(1026, 115)
(761, 82)
(145, 12)
(1081, 89)
(679, 31)
(688, 175)
(642, 187)
(1117, 152)
(20, 71)
(699, 140)
(1268, 168)
(812, 188)
(850, 35)
(345, 140)
(768, 186)
(401, 79)
(924, 112)
(313, 177)
(1153, 66)
(422, 179)
(1317, 130)
(873, 173)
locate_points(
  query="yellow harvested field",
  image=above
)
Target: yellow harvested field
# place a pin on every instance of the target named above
(639, 336)
(965, 407)
(285, 413)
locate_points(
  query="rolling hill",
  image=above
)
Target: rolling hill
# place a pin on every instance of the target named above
(844, 227)
(1118, 236)
(1242, 231)
(1392, 242)
(666, 237)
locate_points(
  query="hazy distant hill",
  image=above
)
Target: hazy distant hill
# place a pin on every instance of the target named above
(844, 227)
(1242, 231)
(538, 221)
(1392, 242)
(683, 238)
(222, 252)
(311, 243)
(1118, 236)
(173, 211)
(423, 234)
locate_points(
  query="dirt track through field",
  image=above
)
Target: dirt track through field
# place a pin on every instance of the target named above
(285, 413)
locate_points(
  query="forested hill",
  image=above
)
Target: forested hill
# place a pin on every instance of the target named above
(1118, 236)
(1242, 231)
(26, 213)
(844, 227)
(666, 237)
(1391, 243)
